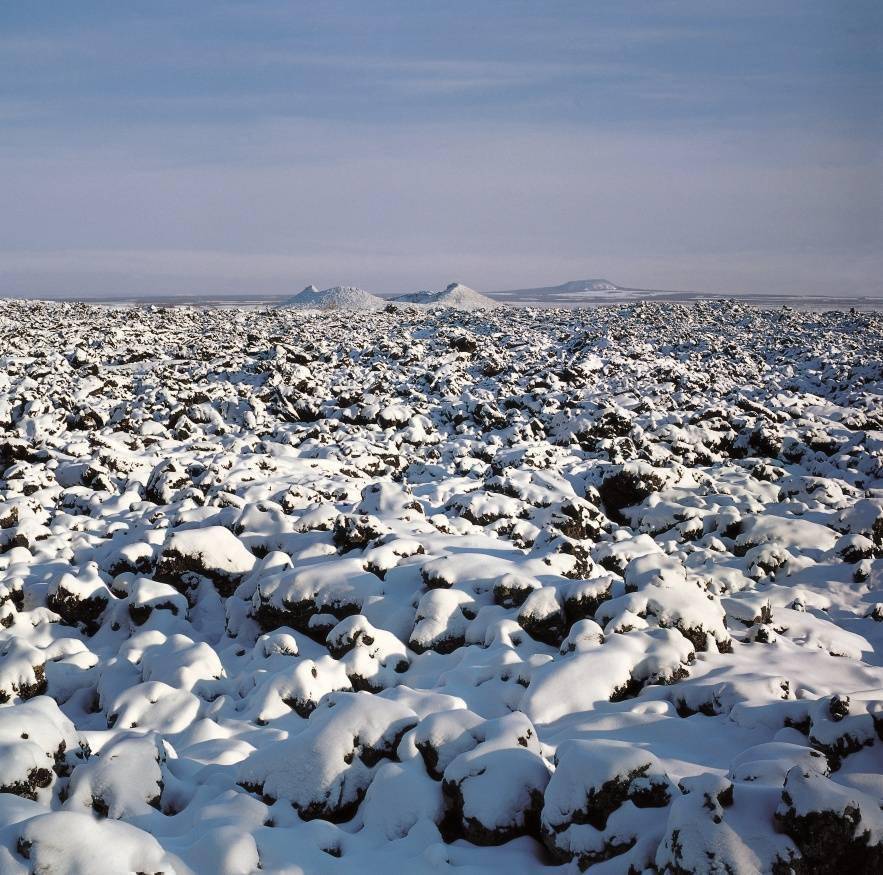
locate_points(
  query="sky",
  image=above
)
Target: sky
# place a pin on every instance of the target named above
(255, 147)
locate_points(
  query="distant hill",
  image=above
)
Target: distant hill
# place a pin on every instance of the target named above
(573, 287)
(335, 298)
(455, 295)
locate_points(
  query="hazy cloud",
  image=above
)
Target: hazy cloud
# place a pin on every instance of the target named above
(501, 144)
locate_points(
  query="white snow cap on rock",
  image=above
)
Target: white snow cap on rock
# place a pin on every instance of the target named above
(213, 549)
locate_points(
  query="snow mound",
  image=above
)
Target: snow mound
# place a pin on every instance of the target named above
(336, 298)
(455, 295)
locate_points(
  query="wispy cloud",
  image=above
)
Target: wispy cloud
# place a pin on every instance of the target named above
(401, 206)
(180, 271)
(159, 146)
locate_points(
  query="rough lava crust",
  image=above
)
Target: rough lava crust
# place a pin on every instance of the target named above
(285, 590)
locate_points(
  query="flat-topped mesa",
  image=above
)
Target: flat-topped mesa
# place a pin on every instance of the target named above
(591, 285)
(589, 289)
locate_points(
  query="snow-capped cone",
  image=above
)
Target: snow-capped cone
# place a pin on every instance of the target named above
(463, 298)
(336, 298)
(455, 295)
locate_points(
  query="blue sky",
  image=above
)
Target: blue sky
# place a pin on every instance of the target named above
(215, 147)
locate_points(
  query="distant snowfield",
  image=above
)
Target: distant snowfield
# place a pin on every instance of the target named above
(600, 292)
(438, 589)
(572, 294)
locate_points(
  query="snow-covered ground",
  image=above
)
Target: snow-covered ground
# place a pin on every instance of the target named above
(424, 590)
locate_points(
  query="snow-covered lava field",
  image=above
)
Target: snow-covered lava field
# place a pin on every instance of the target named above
(420, 590)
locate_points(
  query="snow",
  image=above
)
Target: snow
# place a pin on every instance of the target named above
(492, 589)
(325, 769)
(213, 552)
(77, 844)
(122, 781)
